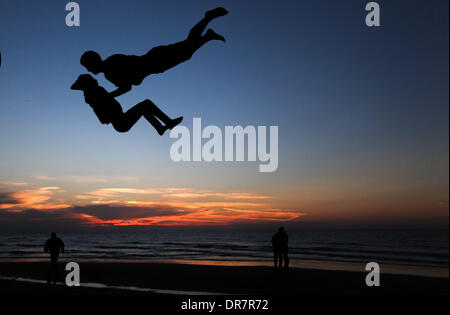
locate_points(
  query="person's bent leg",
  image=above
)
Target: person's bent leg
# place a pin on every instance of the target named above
(129, 118)
(210, 35)
(197, 30)
(162, 58)
(183, 51)
(155, 111)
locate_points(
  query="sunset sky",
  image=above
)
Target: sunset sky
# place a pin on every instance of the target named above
(362, 115)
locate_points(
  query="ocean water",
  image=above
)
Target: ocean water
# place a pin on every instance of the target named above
(419, 248)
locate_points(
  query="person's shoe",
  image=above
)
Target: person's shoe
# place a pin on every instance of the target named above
(213, 35)
(174, 122)
(215, 13)
(162, 130)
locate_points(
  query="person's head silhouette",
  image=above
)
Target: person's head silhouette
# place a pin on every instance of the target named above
(281, 229)
(84, 83)
(53, 235)
(92, 62)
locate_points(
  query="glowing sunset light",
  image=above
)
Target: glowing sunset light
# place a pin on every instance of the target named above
(148, 206)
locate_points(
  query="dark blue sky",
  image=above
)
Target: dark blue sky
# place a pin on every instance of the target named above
(358, 108)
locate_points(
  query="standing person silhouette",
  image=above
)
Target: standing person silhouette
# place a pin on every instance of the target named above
(280, 248)
(53, 245)
(108, 110)
(127, 70)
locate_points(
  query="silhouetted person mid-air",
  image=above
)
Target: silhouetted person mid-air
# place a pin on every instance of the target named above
(280, 248)
(127, 70)
(54, 245)
(109, 111)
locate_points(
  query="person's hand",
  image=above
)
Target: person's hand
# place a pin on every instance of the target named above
(120, 91)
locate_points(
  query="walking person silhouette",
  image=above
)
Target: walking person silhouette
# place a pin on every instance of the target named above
(280, 248)
(127, 70)
(109, 110)
(53, 245)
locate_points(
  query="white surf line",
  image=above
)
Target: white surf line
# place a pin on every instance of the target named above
(116, 287)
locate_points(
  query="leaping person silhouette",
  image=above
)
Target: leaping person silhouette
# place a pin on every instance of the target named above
(127, 70)
(124, 71)
(108, 110)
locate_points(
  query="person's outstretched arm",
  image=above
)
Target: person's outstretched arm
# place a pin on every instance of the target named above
(62, 246)
(120, 91)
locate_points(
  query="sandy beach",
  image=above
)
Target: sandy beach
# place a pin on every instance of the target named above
(185, 279)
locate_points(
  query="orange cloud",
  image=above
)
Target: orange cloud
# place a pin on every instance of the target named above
(201, 217)
(13, 183)
(114, 195)
(38, 199)
(195, 207)
(151, 206)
